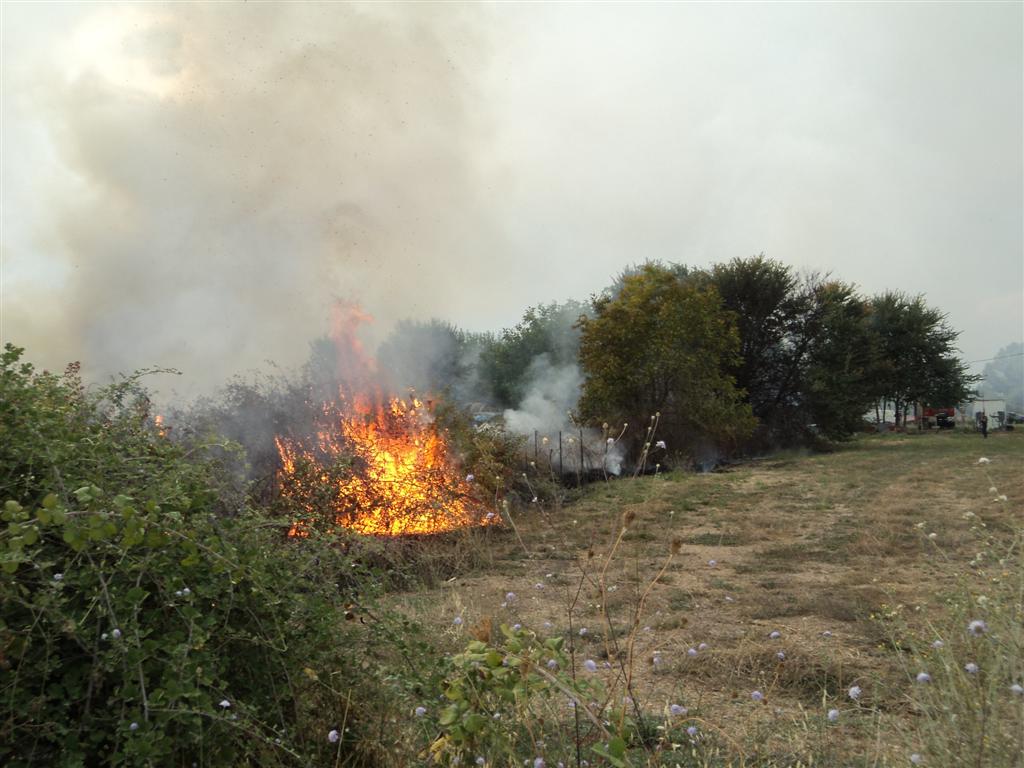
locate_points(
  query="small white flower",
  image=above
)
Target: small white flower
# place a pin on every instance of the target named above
(590, 665)
(971, 668)
(660, 444)
(833, 715)
(333, 737)
(548, 625)
(677, 710)
(1017, 690)
(916, 759)
(611, 440)
(702, 647)
(539, 762)
(993, 489)
(648, 629)
(457, 621)
(420, 711)
(116, 634)
(937, 644)
(933, 536)
(480, 761)
(224, 704)
(552, 664)
(854, 692)
(470, 478)
(775, 634)
(510, 597)
(583, 631)
(712, 563)
(691, 652)
(58, 576)
(133, 727)
(490, 516)
(104, 636)
(538, 585)
(757, 696)
(186, 591)
(781, 655)
(1001, 497)
(924, 677)
(826, 633)
(516, 627)
(977, 628)
(692, 731)
(178, 593)
(983, 460)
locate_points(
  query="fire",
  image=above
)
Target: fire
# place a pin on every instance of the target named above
(402, 479)
(377, 465)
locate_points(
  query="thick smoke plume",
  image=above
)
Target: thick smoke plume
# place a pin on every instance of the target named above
(238, 166)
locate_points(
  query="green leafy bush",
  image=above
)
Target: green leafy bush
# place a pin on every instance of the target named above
(142, 624)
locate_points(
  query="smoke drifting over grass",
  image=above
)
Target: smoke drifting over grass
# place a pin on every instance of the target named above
(238, 166)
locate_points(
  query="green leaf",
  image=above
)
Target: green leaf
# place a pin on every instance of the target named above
(474, 722)
(448, 715)
(617, 746)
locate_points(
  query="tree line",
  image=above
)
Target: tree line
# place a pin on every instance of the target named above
(739, 356)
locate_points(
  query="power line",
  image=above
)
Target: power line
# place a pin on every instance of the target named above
(1001, 357)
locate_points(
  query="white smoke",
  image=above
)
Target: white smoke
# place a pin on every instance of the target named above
(229, 169)
(545, 415)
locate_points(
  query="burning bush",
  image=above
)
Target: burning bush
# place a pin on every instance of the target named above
(381, 468)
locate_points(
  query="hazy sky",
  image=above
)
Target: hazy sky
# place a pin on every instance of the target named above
(190, 184)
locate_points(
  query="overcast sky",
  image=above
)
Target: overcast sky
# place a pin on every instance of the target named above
(190, 184)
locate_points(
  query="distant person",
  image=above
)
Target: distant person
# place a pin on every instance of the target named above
(983, 421)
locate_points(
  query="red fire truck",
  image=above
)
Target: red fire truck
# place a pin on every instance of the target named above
(943, 418)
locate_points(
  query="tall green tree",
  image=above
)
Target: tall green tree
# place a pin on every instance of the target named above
(774, 314)
(805, 349)
(917, 360)
(836, 385)
(663, 344)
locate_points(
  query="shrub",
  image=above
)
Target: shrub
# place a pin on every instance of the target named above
(142, 625)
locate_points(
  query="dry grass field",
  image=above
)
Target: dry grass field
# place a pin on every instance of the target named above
(675, 586)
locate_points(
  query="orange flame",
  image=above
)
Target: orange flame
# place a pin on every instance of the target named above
(402, 480)
(376, 465)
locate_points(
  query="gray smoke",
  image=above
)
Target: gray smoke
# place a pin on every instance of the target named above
(546, 410)
(242, 165)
